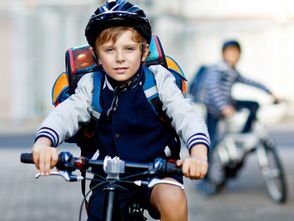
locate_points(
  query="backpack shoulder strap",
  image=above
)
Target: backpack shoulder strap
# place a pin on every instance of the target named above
(151, 94)
(149, 86)
(96, 110)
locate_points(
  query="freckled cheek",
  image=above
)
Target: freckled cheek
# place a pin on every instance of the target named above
(106, 60)
(136, 65)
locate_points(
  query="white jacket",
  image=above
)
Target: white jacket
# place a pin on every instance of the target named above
(65, 120)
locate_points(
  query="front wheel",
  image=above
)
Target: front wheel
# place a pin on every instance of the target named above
(217, 172)
(272, 170)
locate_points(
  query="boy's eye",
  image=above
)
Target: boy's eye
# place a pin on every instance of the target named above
(108, 49)
(130, 48)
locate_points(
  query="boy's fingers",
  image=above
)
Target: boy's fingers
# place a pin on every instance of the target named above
(42, 162)
(198, 168)
(179, 163)
(194, 168)
(54, 159)
(47, 162)
(204, 170)
(190, 168)
(185, 168)
(36, 157)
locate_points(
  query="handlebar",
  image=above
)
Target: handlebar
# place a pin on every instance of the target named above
(112, 166)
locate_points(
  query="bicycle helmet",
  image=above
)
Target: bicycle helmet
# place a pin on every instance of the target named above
(231, 43)
(117, 13)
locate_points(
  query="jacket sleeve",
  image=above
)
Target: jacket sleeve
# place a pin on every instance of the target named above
(253, 83)
(64, 121)
(186, 119)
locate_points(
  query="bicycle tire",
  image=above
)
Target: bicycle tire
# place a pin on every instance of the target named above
(217, 172)
(272, 171)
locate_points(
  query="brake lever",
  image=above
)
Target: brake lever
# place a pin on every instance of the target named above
(64, 174)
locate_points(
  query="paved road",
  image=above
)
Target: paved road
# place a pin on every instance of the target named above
(47, 199)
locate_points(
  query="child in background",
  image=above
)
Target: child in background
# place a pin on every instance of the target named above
(218, 83)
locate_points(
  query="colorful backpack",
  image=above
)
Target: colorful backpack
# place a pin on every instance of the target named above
(80, 61)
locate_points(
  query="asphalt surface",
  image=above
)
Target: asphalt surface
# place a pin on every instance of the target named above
(22, 197)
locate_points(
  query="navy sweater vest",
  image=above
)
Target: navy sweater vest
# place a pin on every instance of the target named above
(132, 130)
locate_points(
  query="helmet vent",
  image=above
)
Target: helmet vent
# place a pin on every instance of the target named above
(111, 5)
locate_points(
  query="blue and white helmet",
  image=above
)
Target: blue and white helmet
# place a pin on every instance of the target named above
(117, 13)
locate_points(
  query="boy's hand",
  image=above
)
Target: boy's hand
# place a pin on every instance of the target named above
(228, 111)
(277, 99)
(45, 157)
(195, 166)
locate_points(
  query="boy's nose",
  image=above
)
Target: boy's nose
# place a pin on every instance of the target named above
(119, 56)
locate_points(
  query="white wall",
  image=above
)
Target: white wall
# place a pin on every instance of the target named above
(191, 31)
(264, 28)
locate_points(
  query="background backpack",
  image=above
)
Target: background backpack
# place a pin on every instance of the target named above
(196, 89)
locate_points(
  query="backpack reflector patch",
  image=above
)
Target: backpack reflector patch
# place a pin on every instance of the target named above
(178, 73)
(60, 89)
(79, 60)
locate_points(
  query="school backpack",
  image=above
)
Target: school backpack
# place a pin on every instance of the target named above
(196, 89)
(80, 61)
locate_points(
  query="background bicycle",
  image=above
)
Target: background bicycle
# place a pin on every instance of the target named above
(233, 149)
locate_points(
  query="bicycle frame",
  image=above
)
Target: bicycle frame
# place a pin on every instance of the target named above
(110, 205)
(233, 139)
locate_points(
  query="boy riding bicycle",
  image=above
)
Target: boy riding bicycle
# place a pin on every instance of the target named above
(219, 82)
(120, 33)
(217, 86)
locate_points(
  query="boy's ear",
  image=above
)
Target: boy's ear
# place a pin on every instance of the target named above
(145, 52)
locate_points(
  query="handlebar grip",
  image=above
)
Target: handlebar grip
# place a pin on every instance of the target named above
(164, 167)
(172, 168)
(26, 158)
(65, 161)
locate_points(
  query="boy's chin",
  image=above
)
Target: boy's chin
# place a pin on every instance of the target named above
(121, 78)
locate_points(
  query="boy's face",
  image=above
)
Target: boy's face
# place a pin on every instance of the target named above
(122, 59)
(231, 55)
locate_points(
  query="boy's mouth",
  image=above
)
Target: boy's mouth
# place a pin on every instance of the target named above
(121, 69)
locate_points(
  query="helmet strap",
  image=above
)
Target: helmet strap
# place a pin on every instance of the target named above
(143, 48)
(95, 56)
